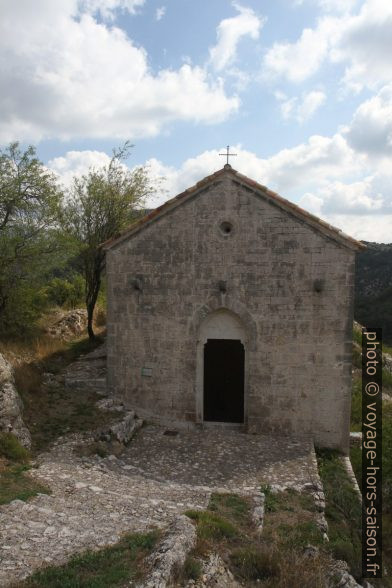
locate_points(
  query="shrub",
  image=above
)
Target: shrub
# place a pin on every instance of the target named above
(11, 449)
(192, 568)
(343, 549)
(255, 564)
(271, 499)
(68, 292)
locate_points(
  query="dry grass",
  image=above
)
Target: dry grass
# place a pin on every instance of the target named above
(41, 346)
(52, 410)
(21, 351)
(277, 559)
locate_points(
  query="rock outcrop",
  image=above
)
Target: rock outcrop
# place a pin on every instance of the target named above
(171, 553)
(11, 405)
(124, 430)
(70, 323)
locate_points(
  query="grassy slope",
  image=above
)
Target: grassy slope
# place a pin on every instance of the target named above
(53, 410)
(49, 411)
(119, 565)
(277, 559)
(226, 526)
(356, 454)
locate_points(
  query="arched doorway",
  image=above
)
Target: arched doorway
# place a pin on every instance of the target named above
(221, 368)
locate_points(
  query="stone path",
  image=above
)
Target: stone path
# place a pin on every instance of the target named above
(88, 372)
(158, 476)
(218, 459)
(95, 500)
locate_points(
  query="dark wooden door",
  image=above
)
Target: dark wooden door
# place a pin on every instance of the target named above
(224, 380)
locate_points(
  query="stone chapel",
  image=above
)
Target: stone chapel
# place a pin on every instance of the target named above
(229, 305)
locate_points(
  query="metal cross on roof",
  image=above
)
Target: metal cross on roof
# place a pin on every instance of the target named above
(228, 154)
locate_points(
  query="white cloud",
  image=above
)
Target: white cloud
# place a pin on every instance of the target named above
(337, 6)
(363, 41)
(358, 198)
(365, 227)
(316, 174)
(160, 13)
(229, 33)
(107, 8)
(362, 209)
(71, 86)
(371, 128)
(310, 163)
(303, 108)
(366, 44)
(297, 61)
(290, 171)
(77, 163)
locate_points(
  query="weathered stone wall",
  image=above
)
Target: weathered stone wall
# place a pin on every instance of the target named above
(166, 278)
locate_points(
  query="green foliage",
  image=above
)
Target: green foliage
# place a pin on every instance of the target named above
(343, 510)
(119, 565)
(357, 336)
(387, 460)
(192, 568)
(11, 448)
(65, 292)
(373, 291)
(211, 525)
(231, 505)
(23, 308)
(276, 559)
(271, 499)
(357, 356)
(302, 534)
(30, 240)
(356, 405)
(102, 203)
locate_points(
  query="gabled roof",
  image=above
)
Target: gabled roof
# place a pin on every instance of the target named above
(259, 190)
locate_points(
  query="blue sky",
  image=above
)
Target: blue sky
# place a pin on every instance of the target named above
(302, 90)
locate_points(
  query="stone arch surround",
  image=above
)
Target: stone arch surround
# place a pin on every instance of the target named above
(220, 322)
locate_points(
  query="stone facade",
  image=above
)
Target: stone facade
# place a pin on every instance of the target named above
(228, 259)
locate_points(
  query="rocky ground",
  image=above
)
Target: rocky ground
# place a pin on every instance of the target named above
(156, 478)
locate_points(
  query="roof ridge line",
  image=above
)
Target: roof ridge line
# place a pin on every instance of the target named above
(285, 204)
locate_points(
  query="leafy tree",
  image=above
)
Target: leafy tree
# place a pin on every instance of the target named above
(29, 235)
(101, 204)
(66, 292)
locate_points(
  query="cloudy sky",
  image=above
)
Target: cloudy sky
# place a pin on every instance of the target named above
(301, 90)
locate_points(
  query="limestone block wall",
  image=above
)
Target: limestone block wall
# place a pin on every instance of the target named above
(171, 274)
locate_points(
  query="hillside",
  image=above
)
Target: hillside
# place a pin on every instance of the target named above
(373, 288)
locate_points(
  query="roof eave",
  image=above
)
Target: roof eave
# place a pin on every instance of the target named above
(312, 220)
